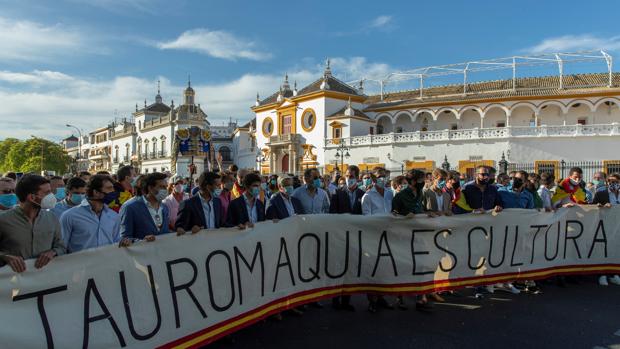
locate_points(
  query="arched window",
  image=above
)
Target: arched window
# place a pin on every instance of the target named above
(226, 153)
(379, 129)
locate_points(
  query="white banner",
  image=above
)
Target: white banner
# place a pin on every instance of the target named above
(189, 290)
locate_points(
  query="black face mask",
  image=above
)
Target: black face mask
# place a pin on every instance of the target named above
(456, 184)
(517, 183)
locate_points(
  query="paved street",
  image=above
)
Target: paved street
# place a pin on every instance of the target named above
(579, 316)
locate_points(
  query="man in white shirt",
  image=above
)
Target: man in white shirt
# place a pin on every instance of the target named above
(377, 200)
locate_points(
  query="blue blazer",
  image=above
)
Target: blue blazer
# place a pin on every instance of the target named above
(136, 221)
(238, 213)
(340, 202)
(192, 214)
(277, 210)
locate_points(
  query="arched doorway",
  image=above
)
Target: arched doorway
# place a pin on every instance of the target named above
(285, 163)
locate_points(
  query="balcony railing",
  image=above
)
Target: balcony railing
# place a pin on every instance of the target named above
(162, 120)
(125, 159)
(479, 133)
(162, 154)
(286, 138)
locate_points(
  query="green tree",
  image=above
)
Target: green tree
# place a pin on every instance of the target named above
(5, 147)
(35, 154)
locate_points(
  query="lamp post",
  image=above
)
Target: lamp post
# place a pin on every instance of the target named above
(260, 157)
(79, 155)
(341, 152)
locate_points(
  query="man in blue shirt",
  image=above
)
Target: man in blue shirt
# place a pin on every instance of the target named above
(92, 223)
(76, 192)
(518, 197)
(313, 199)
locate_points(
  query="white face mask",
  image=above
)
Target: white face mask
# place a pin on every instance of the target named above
(161, 194)
(48, 202)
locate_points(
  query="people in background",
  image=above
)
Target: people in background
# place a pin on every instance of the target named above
(409, 199)
(238, 188)
(8, 199)
(126, 181)
(147, 217)
(58, 187)
(176, 194)
(518, 196)
(226, 185)
(606, 199)
(91, 223)
(544, 191)
(377, 200)
(84, 175)
(202, 211)
(599, 179)
(76, 192)
(30, 230)
(247, 210)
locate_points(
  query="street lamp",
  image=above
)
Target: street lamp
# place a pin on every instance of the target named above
(341, 152)
(79, 155)
(260, 157)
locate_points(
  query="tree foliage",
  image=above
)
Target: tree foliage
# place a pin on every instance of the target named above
(32, 155)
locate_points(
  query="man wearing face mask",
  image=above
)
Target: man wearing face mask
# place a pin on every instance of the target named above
(282, 205)
(76, 192)
(226, 186)
(202, 211)
(314, 200)
(600, 181)
(30, 230)
(92, 223)
(570, 191)
(177, 194)
(378, 200)
(146, 217)
(435, 199)
(126, 186)
(349, 199)
(606, 199)
(8, 199)
(247, 209)
(478, 196)
(517, 197)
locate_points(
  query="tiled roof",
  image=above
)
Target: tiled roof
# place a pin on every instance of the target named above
(525, 87)
(334, 85)
(157, 108)
(356, 112)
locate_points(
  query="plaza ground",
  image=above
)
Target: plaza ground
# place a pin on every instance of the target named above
(581, 315)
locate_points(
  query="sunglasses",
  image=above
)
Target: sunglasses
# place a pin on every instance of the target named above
(484, 174)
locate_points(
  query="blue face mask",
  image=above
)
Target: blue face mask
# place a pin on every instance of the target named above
(263, 186)
(317, 183)
(441, 184)
(60, 194)
(360, 185)
(255, 191)
(462, 182)
(134, 182)
(8, 200)
(289, 189)
(367, 182)
(110, 197)
(77, 199)
(217, 192)
(380, 182)
(598, 183)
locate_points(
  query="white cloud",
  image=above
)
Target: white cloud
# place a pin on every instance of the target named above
(216, 43)
(30, 41)
(42, 102)
(381, 21)
(569, 43)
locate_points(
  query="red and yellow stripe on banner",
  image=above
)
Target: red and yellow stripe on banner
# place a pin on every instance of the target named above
(210, 334)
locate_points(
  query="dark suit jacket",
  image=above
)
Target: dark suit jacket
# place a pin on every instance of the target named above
(192, 214)
(340, 202)
(136, 221)
(276, 209)
(601, 197)
(238, 213)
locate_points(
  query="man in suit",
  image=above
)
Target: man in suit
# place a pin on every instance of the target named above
(202, 211)
(144, 218)
(246, 210)
(347, 200)
(611, 196)
(281, 204)
(434, 198)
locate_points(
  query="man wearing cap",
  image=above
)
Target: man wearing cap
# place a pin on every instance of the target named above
(281, 204)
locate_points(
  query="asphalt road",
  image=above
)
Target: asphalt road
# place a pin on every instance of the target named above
(582, 315)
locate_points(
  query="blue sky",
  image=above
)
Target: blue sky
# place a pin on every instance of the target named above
(86, 61)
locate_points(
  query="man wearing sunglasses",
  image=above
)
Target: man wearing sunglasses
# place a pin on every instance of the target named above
(479, 196)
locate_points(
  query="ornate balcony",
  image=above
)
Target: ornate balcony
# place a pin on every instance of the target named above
(479, 134)
(285, 139)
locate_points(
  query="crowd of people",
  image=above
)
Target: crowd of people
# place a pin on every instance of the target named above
(44, 217)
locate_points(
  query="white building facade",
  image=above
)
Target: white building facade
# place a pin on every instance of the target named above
(538, 120)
